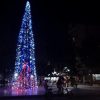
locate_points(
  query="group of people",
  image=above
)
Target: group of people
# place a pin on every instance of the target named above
(64, 82)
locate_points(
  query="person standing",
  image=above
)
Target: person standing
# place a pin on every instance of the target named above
(46, 86)
(60, 83)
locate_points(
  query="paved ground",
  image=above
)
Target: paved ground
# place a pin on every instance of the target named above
(21, 92)
(86, 90)
(80, 90)
(83, 92)
(52, 97)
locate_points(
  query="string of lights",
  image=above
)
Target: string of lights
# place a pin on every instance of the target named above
(25, 69)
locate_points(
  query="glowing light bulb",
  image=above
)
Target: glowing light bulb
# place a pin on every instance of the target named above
(15, 75)
(68, 70)
(32, 76)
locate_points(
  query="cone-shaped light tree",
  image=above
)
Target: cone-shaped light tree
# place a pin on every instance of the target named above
(25, 70)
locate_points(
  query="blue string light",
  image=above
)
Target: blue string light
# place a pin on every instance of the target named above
(25, 47)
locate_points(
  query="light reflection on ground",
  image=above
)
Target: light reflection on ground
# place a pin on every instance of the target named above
(19, 92)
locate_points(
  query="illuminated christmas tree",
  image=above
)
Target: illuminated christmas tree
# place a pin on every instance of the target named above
(25, 70)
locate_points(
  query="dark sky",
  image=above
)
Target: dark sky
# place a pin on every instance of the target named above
(51, 21)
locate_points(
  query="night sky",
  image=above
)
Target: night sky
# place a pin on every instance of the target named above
(52, 23)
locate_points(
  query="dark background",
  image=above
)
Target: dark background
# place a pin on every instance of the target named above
(52, 22)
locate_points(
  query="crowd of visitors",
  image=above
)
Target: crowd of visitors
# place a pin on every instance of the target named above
(61, 84)
(65, 82)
